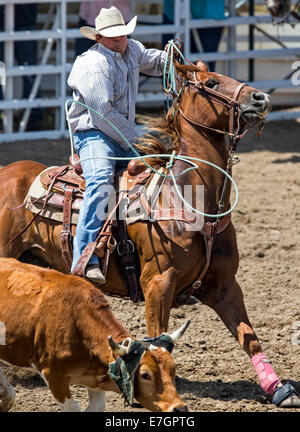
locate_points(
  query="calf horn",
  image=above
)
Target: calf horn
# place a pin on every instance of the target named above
(116, 348)
(178, 333)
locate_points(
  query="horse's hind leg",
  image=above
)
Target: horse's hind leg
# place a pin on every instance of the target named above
(229, 305)
(7, 393)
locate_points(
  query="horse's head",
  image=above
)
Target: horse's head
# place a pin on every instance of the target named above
(219, 102)
(278, 8)
(209, 102)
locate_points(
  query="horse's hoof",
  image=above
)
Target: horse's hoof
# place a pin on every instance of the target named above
(286, 397)
(5, 406)
(7, 398)
(292, 401)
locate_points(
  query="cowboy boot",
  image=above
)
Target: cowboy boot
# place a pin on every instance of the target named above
(95, 275)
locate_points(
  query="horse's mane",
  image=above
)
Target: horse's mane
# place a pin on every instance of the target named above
(162, 136)
(164, 131)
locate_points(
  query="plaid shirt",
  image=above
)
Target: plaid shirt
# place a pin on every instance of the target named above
(108, 82)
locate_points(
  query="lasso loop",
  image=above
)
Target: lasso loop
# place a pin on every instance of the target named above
(189, 160)
(169, 76)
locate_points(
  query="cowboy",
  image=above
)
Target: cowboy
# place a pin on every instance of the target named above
(105, 78)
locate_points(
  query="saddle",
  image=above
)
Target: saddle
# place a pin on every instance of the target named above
(57, 194)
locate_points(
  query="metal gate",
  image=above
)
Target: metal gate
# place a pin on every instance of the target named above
(56, 33)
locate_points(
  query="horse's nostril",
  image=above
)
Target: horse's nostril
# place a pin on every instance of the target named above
(259, 100)
(258, 96)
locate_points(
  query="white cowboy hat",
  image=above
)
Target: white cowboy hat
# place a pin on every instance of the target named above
(109, 23)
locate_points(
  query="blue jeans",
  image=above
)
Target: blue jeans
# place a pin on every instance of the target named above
(99, 178)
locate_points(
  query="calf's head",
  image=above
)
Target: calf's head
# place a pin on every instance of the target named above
(145, 370)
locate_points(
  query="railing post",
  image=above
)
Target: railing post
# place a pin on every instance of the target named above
(8, 90)
(187, 31)
(63, 79)
(44, 59)
(58, 61)
(231, 42)
(251, 43)
(177, 16)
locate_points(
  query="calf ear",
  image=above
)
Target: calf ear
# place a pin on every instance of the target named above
(201, 66)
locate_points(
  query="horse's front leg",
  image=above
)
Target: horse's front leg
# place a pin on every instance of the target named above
(228, 303)
(159, 294)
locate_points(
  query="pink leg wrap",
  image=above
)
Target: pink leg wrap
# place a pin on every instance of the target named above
(265, 372)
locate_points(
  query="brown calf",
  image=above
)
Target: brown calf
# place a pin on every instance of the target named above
(63, 327)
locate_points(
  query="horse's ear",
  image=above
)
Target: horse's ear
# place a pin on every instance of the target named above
(201, 66)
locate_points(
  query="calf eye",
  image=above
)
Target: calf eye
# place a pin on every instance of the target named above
(146, 376)
(211, 83)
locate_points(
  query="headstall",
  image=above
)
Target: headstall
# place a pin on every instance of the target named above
(231, 104)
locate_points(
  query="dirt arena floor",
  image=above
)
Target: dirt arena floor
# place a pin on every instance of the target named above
(213, 373)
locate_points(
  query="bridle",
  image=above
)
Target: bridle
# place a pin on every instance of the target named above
(231, 104)
(235, 134)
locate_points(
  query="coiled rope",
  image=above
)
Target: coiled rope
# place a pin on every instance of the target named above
(171, 88)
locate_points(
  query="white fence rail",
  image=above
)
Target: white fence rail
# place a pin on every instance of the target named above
(59, 35)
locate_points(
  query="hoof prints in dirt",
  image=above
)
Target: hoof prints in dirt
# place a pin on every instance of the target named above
(213, 372)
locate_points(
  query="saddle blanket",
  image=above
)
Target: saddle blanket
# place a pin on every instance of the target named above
(53, 210)
(34, 200)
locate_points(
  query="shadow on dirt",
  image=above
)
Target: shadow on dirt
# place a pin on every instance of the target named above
(219, 390)
(293, 159)
(277, 136)
(22, 377)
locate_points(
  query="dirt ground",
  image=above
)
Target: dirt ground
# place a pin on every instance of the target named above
(213, 372)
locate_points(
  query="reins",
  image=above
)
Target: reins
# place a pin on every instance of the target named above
(234, 133)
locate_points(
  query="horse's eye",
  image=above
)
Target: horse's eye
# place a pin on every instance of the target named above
(211, 83)
(146, 376)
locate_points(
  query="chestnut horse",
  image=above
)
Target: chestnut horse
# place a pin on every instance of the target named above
(172, 257)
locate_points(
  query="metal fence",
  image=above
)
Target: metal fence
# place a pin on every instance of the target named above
(55, 61)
